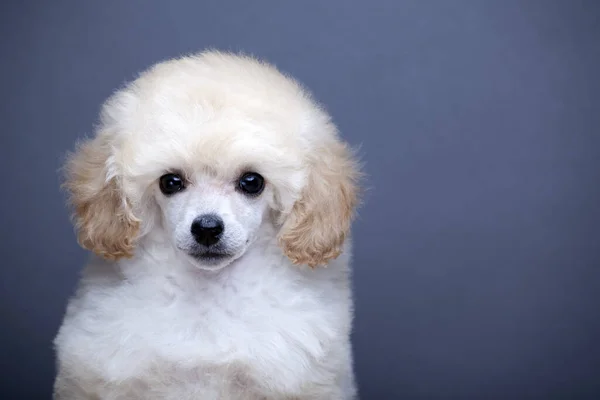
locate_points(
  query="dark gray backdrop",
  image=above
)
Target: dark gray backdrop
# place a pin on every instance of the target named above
(477, 254)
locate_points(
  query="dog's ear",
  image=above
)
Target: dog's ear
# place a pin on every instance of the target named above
(317, 226)
(102, 214)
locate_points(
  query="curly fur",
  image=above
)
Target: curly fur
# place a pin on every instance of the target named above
(152, 320)
(102, 214)
(317, 226)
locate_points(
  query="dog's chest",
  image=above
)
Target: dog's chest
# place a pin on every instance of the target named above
(172, 327)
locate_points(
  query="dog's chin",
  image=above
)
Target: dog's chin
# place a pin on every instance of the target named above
(210, 261)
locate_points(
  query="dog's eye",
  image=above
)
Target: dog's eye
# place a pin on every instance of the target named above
(171, 183)
(251, 183)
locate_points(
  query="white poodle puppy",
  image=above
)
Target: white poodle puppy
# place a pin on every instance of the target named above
(212, 194)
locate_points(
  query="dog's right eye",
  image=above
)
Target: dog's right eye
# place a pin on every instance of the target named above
(171, 183)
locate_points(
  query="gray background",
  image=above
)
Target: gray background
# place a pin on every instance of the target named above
(477, 253)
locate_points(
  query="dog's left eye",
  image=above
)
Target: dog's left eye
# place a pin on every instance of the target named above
(251, 183)
(171, 183)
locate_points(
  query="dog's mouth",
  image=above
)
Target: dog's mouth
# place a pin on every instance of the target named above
(210, 256)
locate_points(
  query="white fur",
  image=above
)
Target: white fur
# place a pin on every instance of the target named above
(161, 325)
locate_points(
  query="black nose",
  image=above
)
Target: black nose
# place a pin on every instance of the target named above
(207, 229)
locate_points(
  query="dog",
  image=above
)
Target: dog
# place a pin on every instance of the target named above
(216, 198)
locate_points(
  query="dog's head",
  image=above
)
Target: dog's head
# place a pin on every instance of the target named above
(213, 152)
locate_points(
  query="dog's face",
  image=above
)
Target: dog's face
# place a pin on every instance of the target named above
(210, 219)
(210, 153)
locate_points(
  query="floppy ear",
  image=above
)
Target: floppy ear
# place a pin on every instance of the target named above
(102, 214)
(317, 226)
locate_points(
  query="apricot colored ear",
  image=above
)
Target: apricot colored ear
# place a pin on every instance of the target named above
(102, 214)
(317, 226)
